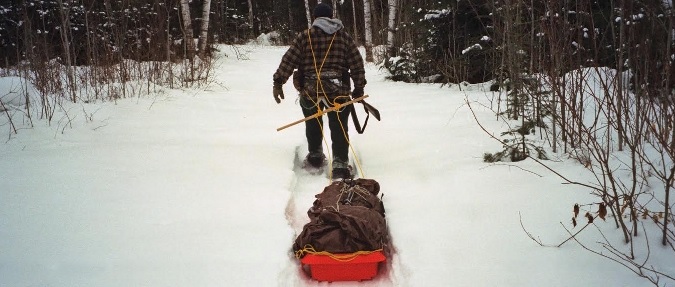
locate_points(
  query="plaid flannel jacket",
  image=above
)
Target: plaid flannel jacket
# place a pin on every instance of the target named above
(342, 56)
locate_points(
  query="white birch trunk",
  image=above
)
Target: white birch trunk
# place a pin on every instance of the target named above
(204, 31)
(393, 7)
(309, 15)
(187, 28)
(369, 31)
(335, 9)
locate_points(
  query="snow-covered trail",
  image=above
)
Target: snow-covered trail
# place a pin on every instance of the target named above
(180, 190)
(192, 188)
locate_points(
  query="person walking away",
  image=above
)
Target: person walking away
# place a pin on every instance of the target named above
(325, 58)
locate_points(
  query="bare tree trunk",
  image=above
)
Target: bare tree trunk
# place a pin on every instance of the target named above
(356, 34)
(619, 88)
(250, 17)
(309, 15)
(28, 41)
(335, 9)
(393, 7)
(187, 29)
(168, 45)
(369, 31)
(65, 42)
(669, 182)
(290, 15)
(667, 213)
(204, 32)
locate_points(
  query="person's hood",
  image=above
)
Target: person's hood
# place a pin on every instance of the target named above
(328, 25)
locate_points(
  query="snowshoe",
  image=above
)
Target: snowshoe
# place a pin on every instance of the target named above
(342, 173)
(314, 163)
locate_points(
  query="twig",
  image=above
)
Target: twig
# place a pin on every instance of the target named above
(516, 166)
(529, 156)
(9, 117)
(538, 241)
(572, 235)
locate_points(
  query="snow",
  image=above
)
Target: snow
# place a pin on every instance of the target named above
(472, 47)
(13, 90)
(195, 187)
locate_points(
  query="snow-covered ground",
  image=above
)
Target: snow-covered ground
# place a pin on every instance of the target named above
(197, 188)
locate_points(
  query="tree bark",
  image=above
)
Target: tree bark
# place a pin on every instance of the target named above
(356, 34)
(309, 15)
(393, 7)
(65, 42)
(187, 29)
(335, 9)
(204, 32)
(250, 18)
(290, 15)
(369, 31)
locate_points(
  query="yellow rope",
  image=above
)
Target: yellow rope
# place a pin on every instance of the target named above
(338, 106)
(351, 147)
(317, 103)
(309, 249)
(317, 70)
(325, 141)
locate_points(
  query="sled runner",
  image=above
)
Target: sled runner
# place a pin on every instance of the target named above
(347, 235)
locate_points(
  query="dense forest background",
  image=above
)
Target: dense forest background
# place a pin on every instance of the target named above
(432, 41)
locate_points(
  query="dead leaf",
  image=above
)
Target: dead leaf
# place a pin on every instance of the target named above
(645, 214)
(574, 222)
(602, 211)
(589, 217)
(576, 211)
(626, 202)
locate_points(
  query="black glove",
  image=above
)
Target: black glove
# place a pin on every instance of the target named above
(278, 92)
(357, 93)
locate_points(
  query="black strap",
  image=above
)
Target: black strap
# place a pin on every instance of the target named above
(369, 109)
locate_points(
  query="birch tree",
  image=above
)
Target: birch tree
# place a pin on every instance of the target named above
(187, 28)
(335, 9)
(368, 30)
(204, 32)
(309, 15)
(393, 7)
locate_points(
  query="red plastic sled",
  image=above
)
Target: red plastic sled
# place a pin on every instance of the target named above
(326, 268)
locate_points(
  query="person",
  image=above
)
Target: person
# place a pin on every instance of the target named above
(323, 60)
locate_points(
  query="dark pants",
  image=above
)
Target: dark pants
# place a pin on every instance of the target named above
(337, 123)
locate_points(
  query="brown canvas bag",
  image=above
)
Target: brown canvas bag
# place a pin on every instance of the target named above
(345, 218)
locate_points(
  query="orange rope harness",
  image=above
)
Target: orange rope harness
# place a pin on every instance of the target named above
(338, 106)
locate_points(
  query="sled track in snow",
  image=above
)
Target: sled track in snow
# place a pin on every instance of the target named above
(302, 190)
